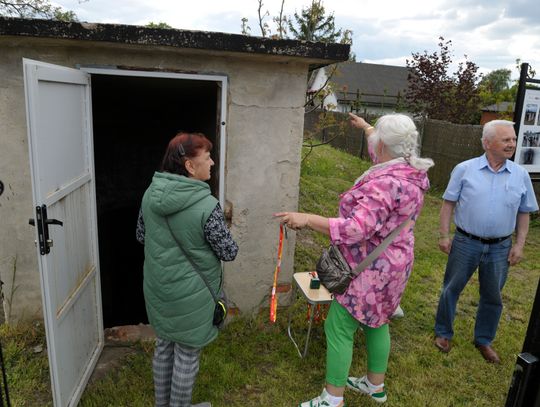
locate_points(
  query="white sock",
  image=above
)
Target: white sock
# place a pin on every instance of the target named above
(372, 386)
(333, 400)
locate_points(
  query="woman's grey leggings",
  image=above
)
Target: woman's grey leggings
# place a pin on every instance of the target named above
(175, 369)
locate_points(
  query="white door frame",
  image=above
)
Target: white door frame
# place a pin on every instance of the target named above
(220, 79)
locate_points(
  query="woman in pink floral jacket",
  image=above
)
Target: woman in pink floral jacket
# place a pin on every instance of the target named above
(380, 200)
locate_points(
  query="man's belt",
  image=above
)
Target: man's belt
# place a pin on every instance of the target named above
(482, 239)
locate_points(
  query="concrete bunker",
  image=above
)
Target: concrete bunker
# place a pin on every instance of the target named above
(145, 85)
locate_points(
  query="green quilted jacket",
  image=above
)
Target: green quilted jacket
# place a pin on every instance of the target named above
(179, 306)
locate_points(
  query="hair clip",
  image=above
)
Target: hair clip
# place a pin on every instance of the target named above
(181, 150)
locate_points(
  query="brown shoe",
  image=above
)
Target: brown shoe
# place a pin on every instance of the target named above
(443, 344)
(488, 353)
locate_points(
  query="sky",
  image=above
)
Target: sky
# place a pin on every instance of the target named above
(491, 33)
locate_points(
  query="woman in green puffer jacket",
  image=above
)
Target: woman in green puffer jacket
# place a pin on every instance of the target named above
(179, 209)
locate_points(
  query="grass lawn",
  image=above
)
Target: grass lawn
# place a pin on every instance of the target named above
(253, 363)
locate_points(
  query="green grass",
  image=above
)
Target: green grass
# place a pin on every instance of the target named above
(25, 358)
(130, 385)
(253, 363)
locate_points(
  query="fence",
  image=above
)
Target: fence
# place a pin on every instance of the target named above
(446, 143)
(324, 126)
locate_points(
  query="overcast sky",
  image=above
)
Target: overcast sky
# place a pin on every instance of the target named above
(492, 33)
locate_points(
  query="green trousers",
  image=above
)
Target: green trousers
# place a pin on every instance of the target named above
(340, 327)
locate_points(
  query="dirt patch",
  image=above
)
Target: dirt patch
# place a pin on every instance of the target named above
(119, 344)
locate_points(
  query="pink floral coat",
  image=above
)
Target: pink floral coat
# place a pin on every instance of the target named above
(368, 212)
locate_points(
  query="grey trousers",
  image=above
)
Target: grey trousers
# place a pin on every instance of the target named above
(175, 369)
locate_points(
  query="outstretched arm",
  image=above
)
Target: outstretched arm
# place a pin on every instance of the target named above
(299, 220)
(360, 123)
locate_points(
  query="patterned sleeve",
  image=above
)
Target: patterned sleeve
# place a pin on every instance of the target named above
(140, 231)
(218, 235)
(368, 209)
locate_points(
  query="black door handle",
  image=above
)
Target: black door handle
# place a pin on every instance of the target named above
(43, 223)
(54, 222)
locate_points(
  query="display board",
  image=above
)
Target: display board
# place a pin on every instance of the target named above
(528, 141)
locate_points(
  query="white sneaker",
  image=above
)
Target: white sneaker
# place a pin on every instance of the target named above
(320, 401)
(398, 313)
(360, 385)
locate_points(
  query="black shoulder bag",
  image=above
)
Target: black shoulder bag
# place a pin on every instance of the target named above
(334, 271)
(220, 310)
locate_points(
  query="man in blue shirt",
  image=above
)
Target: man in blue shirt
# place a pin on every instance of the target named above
(491, 197)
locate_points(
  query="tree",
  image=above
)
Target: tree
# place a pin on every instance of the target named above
(161, 24)
(495, 87)
(434, 93)
(496, 81)
(245, 28)
(263, 25)
(35, 9)
(312, 24)
(281, 22)
(346, 38)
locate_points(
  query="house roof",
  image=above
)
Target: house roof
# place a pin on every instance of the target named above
(313, 52)
(499, 107)
(369, 79)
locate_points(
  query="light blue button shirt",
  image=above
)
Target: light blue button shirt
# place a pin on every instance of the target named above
(487, 202)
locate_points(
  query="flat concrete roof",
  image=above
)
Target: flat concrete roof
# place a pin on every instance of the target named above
(198, 40)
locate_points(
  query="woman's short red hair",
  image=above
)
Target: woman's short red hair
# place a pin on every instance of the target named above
(182, 146)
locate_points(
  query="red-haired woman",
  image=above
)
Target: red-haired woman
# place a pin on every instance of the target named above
(178, 209)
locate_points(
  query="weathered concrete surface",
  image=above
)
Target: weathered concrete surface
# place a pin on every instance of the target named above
(264, 135)
(18, 264)
(268, 150)
(203, 40)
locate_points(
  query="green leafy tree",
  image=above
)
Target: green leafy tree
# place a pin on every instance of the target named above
(495, 87)
(35, 9)
(435, 93)
(161, 24)
(312, 24)
(496, 81)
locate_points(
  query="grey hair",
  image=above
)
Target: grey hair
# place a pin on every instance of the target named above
(490, 129)
(400, 137)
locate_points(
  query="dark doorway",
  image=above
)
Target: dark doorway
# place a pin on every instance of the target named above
(134, 118)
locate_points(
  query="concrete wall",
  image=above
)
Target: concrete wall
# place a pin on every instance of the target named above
(264, 135)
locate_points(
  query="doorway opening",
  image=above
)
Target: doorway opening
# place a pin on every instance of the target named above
(134, 117)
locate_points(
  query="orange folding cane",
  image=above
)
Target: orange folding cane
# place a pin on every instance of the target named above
(273, 298)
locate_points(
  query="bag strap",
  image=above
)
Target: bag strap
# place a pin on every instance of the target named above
(380, 248)
(191, 262)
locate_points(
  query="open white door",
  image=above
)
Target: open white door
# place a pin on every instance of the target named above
(58, 110)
